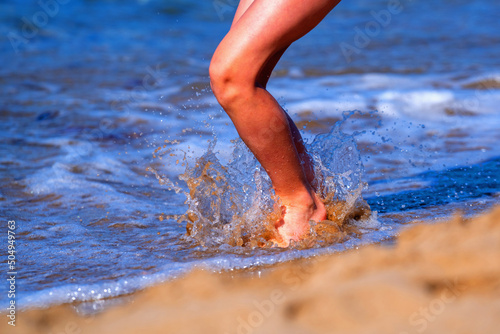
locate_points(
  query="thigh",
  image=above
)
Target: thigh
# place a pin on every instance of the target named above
(265, 28)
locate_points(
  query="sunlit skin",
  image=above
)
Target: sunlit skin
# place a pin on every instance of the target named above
(239, 71)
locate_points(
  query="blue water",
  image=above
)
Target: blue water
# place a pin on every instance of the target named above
(105, 99)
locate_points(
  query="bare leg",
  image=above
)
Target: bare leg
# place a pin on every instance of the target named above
(263, 31)
(262, 79)
(305, 159)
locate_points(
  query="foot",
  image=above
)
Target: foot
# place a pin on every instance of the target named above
(296, 214)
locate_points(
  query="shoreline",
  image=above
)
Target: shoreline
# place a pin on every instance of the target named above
(438, 277)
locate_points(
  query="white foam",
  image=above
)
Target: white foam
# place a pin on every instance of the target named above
(378, 81)
(57, 177)
(413, 97)
(417, 104)
(329, 107)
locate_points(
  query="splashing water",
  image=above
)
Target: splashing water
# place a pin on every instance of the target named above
(233, 204)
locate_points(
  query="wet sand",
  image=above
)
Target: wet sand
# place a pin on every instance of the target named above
(435, 278)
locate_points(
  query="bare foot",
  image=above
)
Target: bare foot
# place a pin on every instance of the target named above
(296, 214)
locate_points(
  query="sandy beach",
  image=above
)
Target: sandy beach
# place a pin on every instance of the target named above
(435, 278)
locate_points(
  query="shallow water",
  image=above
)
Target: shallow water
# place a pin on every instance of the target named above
(99, 98)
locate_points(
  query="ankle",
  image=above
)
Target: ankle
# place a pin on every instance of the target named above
(298, 199)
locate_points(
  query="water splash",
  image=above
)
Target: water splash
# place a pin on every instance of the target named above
(233, 204)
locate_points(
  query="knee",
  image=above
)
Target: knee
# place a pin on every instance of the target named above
(228, 83)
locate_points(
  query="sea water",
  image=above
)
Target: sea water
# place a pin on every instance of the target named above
(121, 170)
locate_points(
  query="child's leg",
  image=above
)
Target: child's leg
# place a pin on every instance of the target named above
(304, 157)
(262, 80)
(263, 30)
